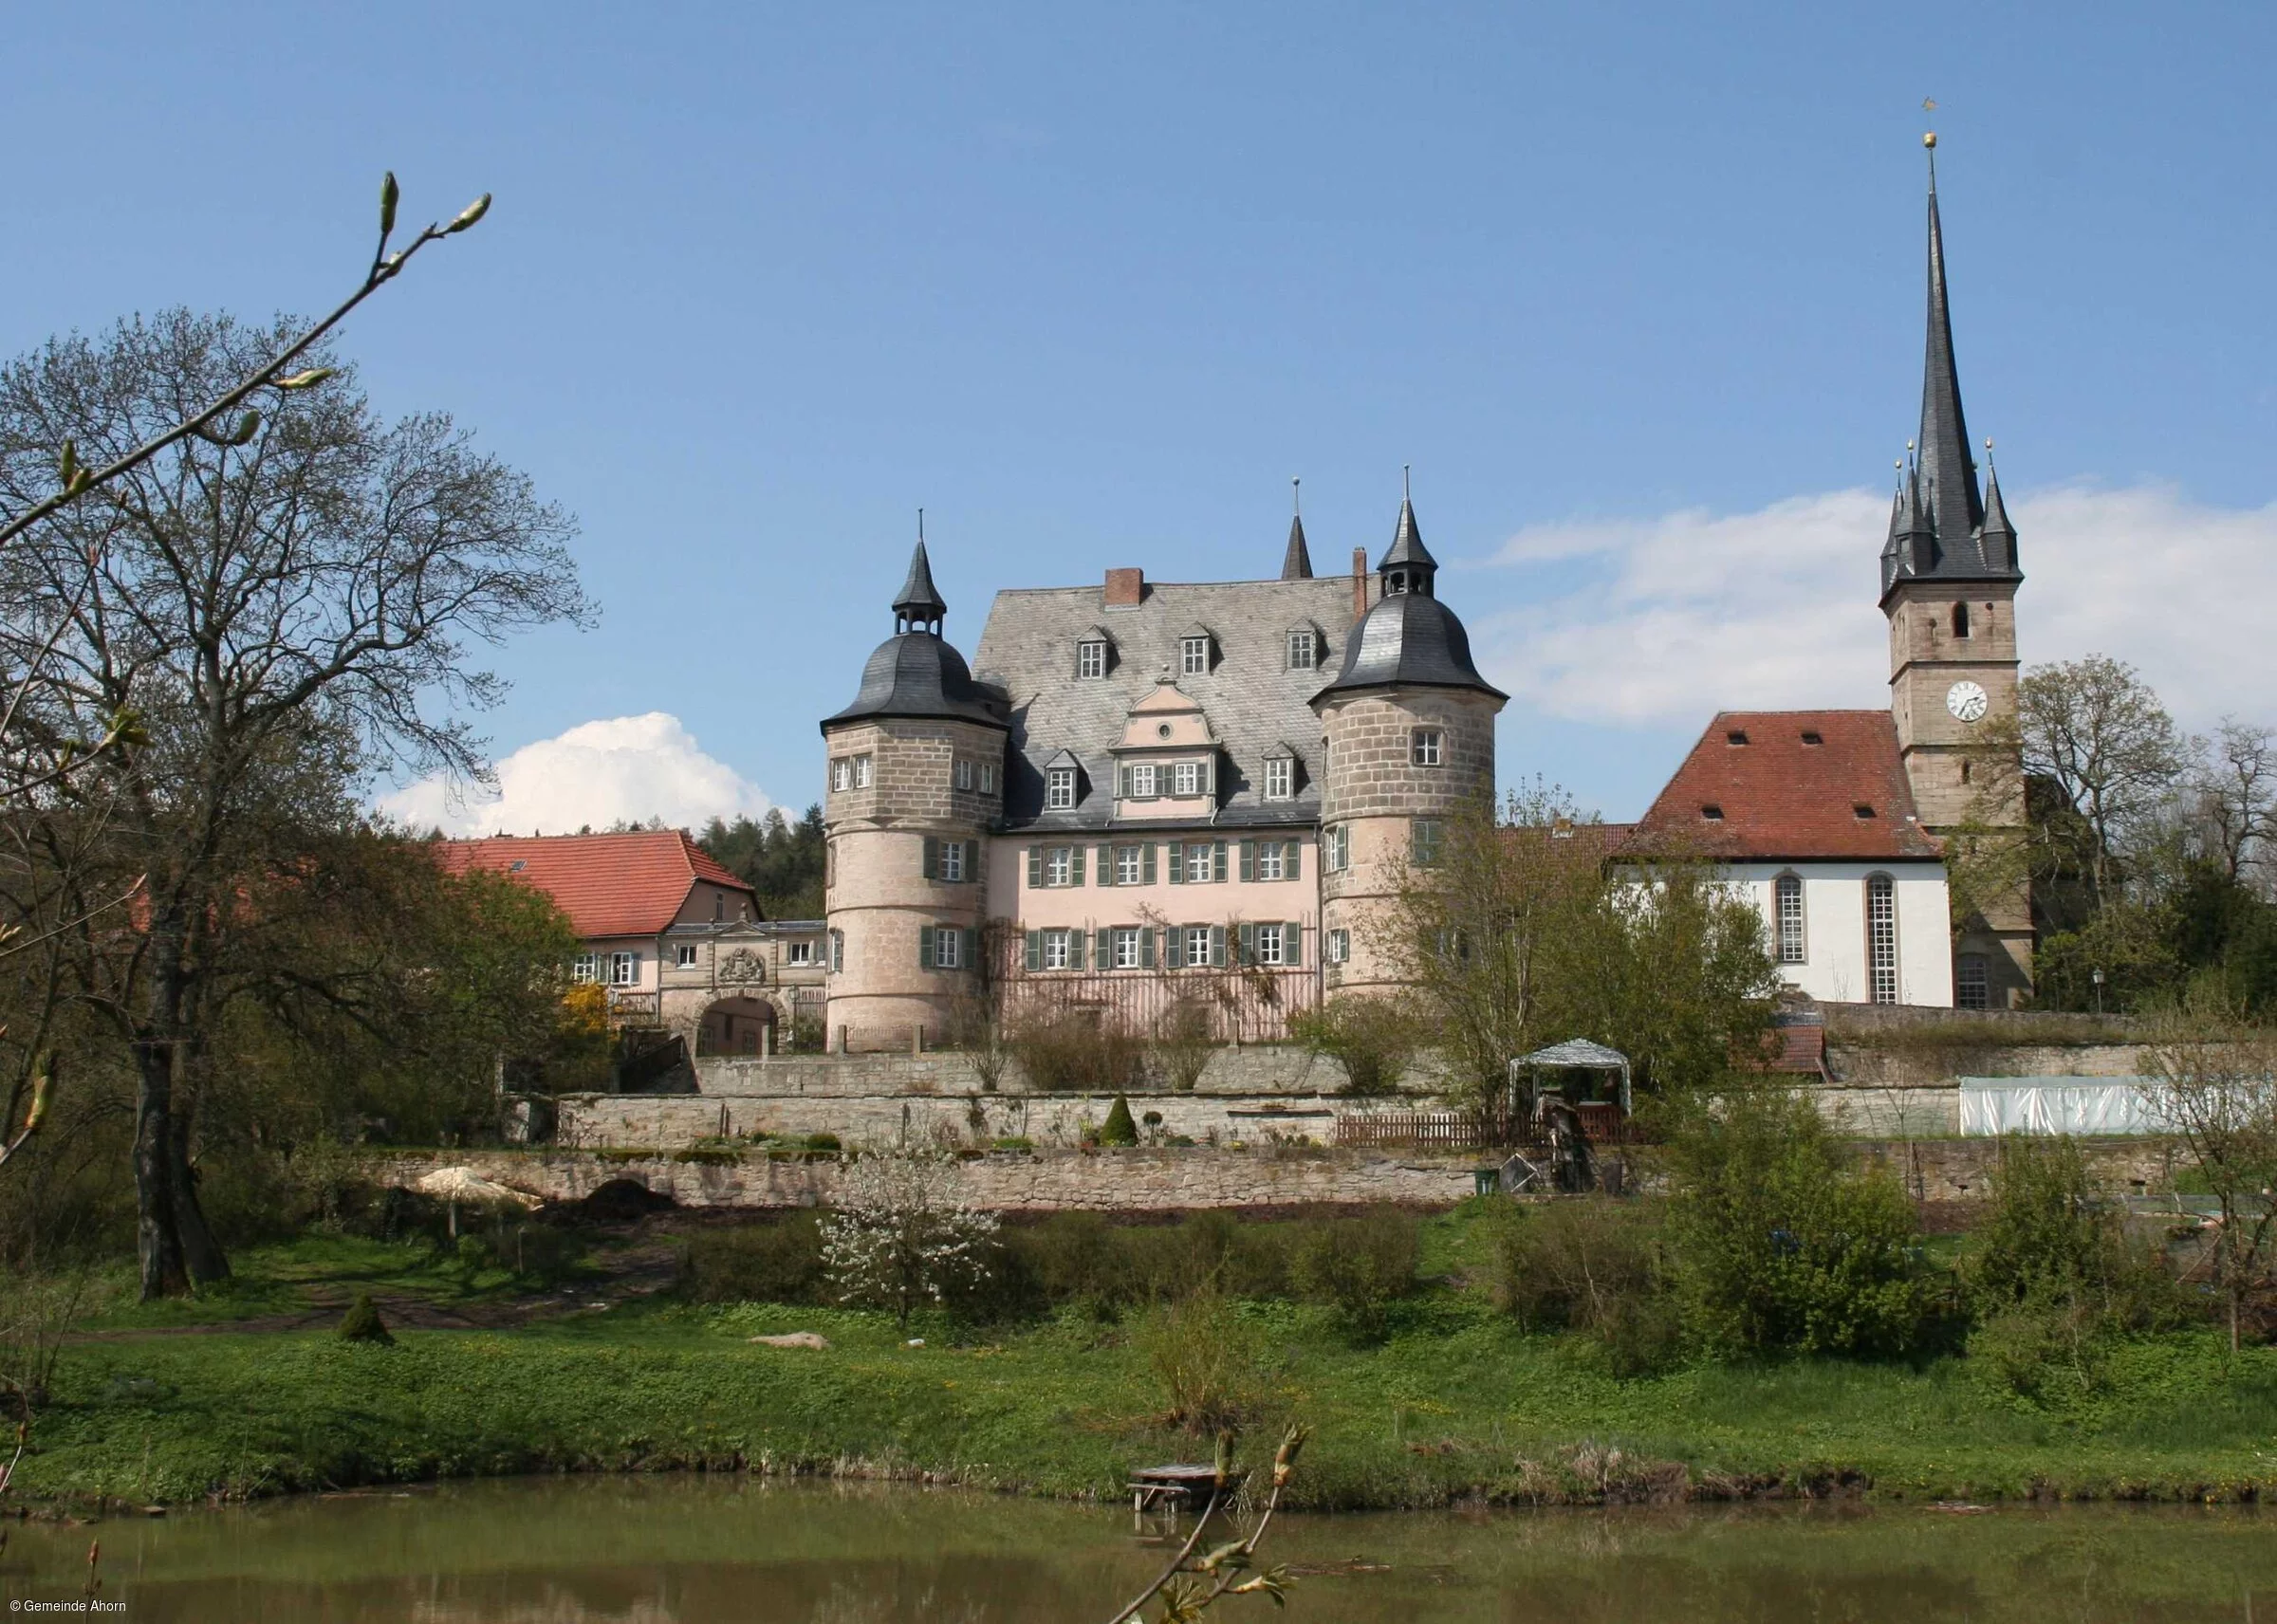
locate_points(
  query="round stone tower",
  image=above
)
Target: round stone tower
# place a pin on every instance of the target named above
(915, 779)
(1410, 731)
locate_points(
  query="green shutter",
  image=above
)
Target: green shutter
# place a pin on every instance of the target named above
(1122, 781)
(1292, 945)
(1177, 862)
(1248, 860)
(1035, 949)
(1218, 944)
(1173, 947)
(1217, 863)
(970, 956)
(1035, 867)
(972, 862)
(1292, 861)
(925, 947)
(1146, 863)
(931, 864)
(1074, 865)
(1106, 865)
(1077, 957)
(1249, 944)
(1146, 947)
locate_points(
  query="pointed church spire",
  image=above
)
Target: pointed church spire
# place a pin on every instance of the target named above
(1296, 563)
(1948, 475)
(1999, 536)
(920, 606)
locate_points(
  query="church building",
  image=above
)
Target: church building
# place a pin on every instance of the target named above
(1197, 796)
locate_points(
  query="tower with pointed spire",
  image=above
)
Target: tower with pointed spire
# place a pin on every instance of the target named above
(1948, 580)
(1409, 725)
(915, 782)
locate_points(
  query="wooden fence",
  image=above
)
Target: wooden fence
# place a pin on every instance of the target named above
(1241, 1005)
(1464, 1130)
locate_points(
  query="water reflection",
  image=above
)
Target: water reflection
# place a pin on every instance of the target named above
(706, 1551)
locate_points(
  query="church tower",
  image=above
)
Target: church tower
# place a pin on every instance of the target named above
(1949, 579)
(915, 777)
(1409, 725)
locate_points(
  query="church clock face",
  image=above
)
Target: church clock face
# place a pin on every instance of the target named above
(1967, 701)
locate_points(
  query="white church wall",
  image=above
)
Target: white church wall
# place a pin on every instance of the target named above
(1834, 926)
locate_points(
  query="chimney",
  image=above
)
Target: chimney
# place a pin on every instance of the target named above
(1360, 581)
(1126, 587)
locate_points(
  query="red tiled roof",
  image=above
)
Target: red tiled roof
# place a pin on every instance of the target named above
(631, 885)
(1776, 797)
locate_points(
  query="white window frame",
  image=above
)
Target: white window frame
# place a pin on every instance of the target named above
(683, 956)
(1193, 656)
(1130, 865)
(1271, 865)
(988, 777)
(1059, 865)
(1197, 938)
(1266, 940)
(1201, 864)
(952, 861)
(1280, 777)
(1340, 946)
(964, 773)
(625, 968)
(838, 952)
(1303, 650)
(585, 968)
(1792, 940)
(798, 952)
(1427, 850)
(1125, 944)
(1428, 748)
(1146, 779)
(1882, 985)
(1054, 947)
(1059, 789)
(862, 773)
(841, 773)
(1091, 658)
(1186, 779)
(1338, 847)
(948, 948)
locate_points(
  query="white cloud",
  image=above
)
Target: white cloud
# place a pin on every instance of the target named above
(625, 769)
(1683, 615)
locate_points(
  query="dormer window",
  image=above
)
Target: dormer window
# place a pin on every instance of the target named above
(1091, 657)
(1303, 649)
(1280, 777)
(1862, 811)
(1059, 789)
(1712, 813)
(1186, 779)
(1809, 738)
(1194, 656)
(1142, 781)
(1736, 736)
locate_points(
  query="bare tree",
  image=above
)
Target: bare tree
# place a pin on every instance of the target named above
(286, 612)
(2095, 730)
(2219, 1098)
(2234, 789)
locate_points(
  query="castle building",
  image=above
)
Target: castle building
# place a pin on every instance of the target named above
(1162, 797)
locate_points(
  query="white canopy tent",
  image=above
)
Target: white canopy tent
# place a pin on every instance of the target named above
(1575, 1054)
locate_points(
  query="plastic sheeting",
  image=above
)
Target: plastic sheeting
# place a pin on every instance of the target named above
(1992, 1105)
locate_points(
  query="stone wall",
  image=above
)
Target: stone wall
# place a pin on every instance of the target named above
(1117, 1181)
(1279, 1068)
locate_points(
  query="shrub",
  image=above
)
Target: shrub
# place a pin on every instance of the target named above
(1119, 1128)
(1067, 1047)
(2049, 1246)
(1594, 1265)
(1183, 1043)
(2040, 1351)
(1780, 1243)
(780, 1262)
(906, 1232)
(1373, 1038)
(1205, 1362)
(363, 1323)
(1360, 1265)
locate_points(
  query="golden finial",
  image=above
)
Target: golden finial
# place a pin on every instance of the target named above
(1929, 140)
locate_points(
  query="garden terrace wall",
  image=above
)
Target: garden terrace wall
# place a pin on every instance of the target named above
(1270, 1068)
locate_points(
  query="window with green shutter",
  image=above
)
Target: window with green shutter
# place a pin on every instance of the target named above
(1035, 868)
(1292, 945)
(1217, 942)
(1106, 856)
(1146, 863)
(1248, 944)
(1292, 861)
(1248, 860)
(1074, 865)
(925, 947)
(1035, 949)
(1177, 862)
(1146, 947)
(1174, 947)
(1219, 862)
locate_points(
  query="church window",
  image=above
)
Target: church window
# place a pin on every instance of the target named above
(1304, 650)
(1960, 620)
(1881, 939)
(1091, 657)
(1429, 747)
(1280, 778)
(1193, 656)
(1788, 892)
(1972, 982)
(1059, 789)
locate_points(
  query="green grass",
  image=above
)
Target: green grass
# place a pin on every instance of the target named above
(1456, 1405)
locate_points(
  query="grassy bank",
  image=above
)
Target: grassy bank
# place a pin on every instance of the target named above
(1456, 1404)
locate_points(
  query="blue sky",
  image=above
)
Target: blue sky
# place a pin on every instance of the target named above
(1637, 290)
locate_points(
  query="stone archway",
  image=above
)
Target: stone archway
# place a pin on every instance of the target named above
(734, 1025)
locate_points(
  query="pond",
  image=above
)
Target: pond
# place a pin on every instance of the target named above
(668, 1550)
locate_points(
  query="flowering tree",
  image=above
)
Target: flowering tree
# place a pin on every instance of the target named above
(905, 1231)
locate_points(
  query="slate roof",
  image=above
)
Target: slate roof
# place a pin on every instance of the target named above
(1028, 650)
(629, 884)
(1784, 799)
(1409, 640)
(918, 673)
